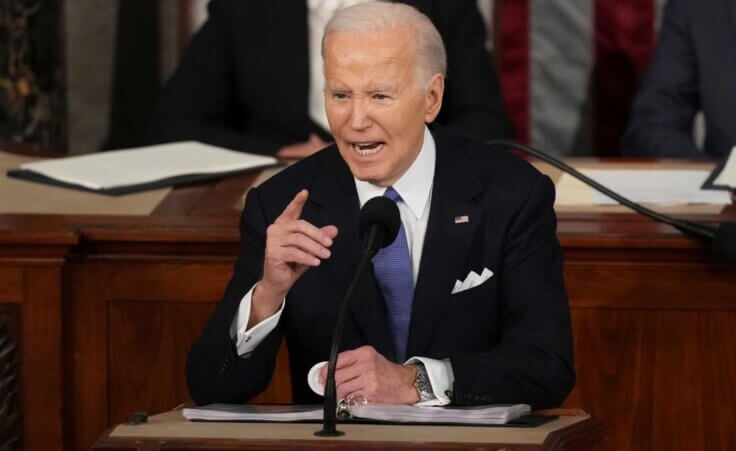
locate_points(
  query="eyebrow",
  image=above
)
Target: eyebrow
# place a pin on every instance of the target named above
(381, 88)
(370, 89)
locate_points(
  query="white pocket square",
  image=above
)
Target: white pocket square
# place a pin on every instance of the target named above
(472, 280)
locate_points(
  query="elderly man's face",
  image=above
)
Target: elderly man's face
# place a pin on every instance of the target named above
(375, 106)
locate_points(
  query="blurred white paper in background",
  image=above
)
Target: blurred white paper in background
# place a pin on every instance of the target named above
(655, 187)
(727, 176)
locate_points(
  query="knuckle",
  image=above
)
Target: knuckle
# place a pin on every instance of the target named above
(303, 241)
(273, 230)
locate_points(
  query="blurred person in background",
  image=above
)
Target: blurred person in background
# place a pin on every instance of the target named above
(693, 69)
(252, 79)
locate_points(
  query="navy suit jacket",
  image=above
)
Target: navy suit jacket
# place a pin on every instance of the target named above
(508, 340)
(244, 81)
(693, 69)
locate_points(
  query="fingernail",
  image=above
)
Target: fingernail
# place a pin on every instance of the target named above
(328, 241)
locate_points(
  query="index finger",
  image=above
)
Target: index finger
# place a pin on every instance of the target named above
(293, 211)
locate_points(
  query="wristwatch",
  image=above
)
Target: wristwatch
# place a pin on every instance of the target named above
(422, 384)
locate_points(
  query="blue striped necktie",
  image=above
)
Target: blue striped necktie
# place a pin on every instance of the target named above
(393, 272)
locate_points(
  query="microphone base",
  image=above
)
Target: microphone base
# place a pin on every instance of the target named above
(329, 432)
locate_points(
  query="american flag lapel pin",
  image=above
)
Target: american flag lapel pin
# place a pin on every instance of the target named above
(462, 219)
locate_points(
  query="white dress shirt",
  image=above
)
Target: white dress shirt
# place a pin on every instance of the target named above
(319, 12)
(415, 189)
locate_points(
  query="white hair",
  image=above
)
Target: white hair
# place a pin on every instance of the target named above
(378, 16)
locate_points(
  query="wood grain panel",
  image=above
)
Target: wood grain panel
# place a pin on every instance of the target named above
(147, 345)
(153, 281)
(648, 285)
(659, 379)
(11, 284)
(42, 358)
(110, 337)
(86, 359)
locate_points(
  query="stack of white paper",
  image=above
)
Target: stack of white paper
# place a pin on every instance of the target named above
(143, 167)
(253, 412)
(420, 414)
(498, 414)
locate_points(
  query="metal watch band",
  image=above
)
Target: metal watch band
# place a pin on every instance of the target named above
(421, 382)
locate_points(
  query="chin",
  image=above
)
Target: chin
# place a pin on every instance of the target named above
(368, 176)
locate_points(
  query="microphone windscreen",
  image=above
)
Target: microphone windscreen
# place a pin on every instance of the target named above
(383, 212)
(724, 241)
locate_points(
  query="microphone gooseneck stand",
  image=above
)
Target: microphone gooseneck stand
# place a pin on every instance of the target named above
(374, 241)
(687, 227)
(721, 239)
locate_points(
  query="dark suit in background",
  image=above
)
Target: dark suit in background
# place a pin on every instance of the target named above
(508, 340)
(693, 68)
(244, 81)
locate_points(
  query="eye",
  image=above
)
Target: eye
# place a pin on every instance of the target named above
(339, 96)
(379, 96)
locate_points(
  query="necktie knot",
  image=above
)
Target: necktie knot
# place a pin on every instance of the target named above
(392, 194)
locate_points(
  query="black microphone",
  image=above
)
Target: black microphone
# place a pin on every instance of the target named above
(722, 239)
(378, 226)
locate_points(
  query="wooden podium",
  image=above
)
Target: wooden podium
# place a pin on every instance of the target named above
(171, 431)
(103, 308)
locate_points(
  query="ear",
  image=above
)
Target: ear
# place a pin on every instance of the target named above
(434, 93)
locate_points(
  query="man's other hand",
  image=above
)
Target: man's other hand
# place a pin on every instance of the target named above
(293, 245)
(363, 371)
(301, 150)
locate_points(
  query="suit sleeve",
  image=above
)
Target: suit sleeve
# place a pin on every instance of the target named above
(473, 105)
(665, 106)
(533, 362)
(199, 102)
(215, 372)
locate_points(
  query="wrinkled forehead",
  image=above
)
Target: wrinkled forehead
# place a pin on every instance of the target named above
(396, 44)
(386, 53)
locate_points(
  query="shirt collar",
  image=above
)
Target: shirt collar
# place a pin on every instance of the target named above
(416, 183)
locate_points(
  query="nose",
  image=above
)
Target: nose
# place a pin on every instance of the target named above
(359, 114)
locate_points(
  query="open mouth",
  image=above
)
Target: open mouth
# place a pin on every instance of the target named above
(367, 149)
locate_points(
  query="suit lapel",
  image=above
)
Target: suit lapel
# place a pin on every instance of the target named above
(334, 192)
(446, 244)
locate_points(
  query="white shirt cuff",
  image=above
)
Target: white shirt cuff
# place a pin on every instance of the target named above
(247, 340)
(441, 378)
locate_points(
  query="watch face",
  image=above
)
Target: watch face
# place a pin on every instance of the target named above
(424, 387)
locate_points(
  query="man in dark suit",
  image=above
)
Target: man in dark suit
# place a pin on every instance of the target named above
(247, 79)
(693, 69)
(474, 296)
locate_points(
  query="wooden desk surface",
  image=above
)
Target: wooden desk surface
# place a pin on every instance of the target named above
(105, 307)
(171, 429)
